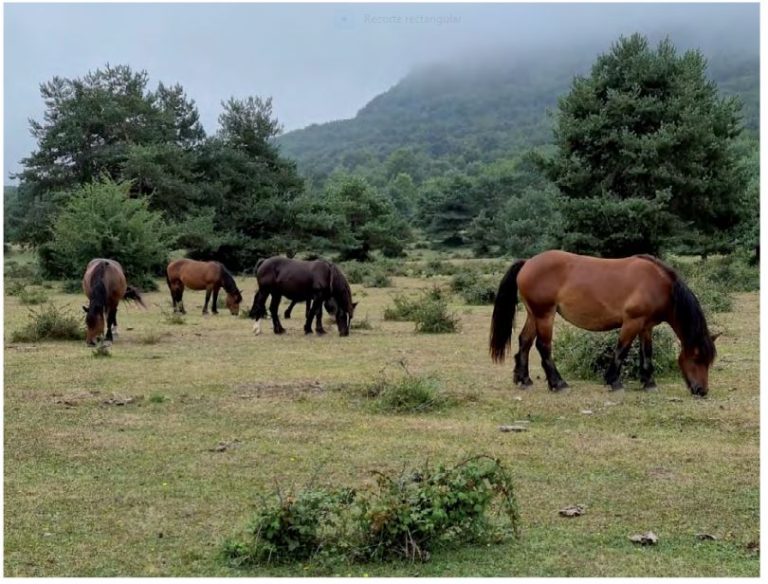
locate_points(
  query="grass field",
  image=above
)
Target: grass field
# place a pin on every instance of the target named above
(93, 488)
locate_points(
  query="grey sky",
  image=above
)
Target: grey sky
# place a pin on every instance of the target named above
(318, 62)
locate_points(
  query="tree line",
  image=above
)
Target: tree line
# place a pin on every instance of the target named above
(646, 156)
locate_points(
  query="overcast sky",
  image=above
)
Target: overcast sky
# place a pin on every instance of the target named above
(318, 62)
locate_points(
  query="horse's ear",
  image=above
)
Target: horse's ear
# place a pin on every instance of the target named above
(354, 305)
(85, 309)
(715, 336)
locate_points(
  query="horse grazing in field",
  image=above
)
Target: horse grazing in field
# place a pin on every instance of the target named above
(314, 282)
(208, 276)
(105, 286)
(633, 294)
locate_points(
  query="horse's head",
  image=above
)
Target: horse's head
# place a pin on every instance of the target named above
(344, 318)
(94, 323)
(233, 302)
(695, 362)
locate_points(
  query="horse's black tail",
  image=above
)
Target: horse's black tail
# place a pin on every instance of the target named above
(503, 319)
(132, 293)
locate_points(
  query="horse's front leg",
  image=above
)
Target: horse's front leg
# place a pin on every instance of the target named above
(274, 306)
(207, 299)
(646, 360)
(312, 305)
(629, 330)
(319, 318)
(215, 305)
(111, 320)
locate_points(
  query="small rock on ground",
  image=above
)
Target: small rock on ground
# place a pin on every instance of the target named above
(572, 511)
(647, 538)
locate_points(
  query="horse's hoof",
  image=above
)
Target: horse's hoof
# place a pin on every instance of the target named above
(560, 386)
(321, 332)
(651, 388)
(616, 386)
(280, 331)
(307, 332)
(524, 383)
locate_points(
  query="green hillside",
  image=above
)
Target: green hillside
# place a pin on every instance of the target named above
(460, 113)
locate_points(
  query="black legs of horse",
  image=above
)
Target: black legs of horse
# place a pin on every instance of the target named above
(646, 360)
(539, 329)
(259, 310)
(177, 294)
(111, 321)
(214, 308)
(629, 330)
(527, 335)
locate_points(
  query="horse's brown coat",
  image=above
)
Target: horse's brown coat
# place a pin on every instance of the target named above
(197, 275)
(115, 286)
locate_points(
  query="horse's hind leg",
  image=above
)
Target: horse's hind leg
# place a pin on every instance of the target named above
(629, 330)
(274, 307)
(258, 310)
(288, 310)
(522, 377)
(646, 359)
(544, 326)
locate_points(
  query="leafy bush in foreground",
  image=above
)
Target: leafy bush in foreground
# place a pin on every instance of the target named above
(404, 517)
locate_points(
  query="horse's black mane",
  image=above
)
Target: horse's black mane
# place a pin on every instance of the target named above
(340, 289)
(98, 296)
(228, 280)
(688, 313)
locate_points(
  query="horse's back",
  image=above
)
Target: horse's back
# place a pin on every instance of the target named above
(112, 276)
(594, 293)
(295, 279)
(193, 273)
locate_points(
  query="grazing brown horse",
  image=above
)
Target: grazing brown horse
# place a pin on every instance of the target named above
(208, 276)
(105, 286)
(317, 281)
(633, 294)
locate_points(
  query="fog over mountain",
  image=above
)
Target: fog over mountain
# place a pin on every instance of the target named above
(326, 62)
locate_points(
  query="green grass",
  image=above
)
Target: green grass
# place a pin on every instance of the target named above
(98, 489)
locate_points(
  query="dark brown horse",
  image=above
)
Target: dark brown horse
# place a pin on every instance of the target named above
(208, 276)
(633, 294)
(105, 286)
(317, 282)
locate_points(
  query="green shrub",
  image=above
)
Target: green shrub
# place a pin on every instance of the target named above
(587, 355)
(377, 280)
(361, 324)
(433, 317)
(405, 394)
(416, 513)
(72, 286)
(50, 323)
(26, 271)
(481, 291)
(157, 398)
(404, 308)
(33, 296)
(291, 528)
(404, 517)
(102, 220)
(429, 312)
(15, 287)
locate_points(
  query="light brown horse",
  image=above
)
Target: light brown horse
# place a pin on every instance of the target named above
(208, 276)
(633, 294)
(105, 286)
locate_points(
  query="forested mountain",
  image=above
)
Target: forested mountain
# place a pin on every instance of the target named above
(475, 111)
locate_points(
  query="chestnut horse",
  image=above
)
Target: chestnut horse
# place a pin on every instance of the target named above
(633, 294)
(208, 276)
(105, 286)
(317, 281)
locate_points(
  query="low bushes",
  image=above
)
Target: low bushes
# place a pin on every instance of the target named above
(50, 323)
(587, 355)
(429, 312)
(402, 517)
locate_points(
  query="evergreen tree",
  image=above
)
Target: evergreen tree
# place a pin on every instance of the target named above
(645, 143)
